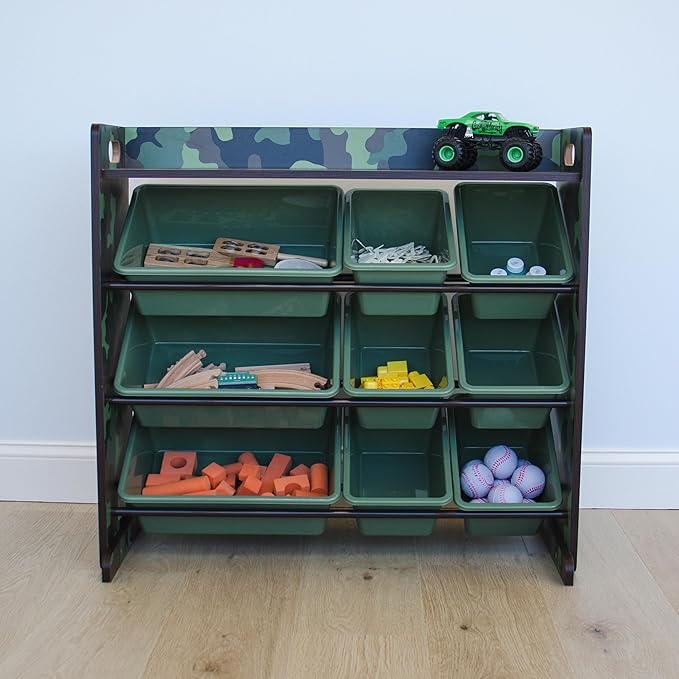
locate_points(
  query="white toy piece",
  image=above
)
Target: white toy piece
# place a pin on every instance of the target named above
(501, 482)
(501, 460)
(505, 494)
(530, 480)
(483, 500)
(528, 501)
(476, 480)
(470, 463)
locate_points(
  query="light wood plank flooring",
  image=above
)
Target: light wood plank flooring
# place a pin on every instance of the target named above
(339, 606)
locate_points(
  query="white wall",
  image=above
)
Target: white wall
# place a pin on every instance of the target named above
(611, 65)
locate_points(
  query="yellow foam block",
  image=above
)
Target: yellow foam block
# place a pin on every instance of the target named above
(366, 379)
(381, 370)
(371, 384)
(397, 366)
(407, 385)
(390, 383)
(420, 381)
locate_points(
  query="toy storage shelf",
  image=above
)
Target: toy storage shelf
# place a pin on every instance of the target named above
(121, 154)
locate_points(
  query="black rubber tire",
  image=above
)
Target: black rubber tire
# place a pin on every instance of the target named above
(527, 160)
(472, 154)
(518, 132)
(538, 155)
(460, 153)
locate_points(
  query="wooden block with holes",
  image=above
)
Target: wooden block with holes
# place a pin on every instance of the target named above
(177, 257)
(234, 247)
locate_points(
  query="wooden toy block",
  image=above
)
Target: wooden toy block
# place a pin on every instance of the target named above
(203, 492)
(251, 486)
(233, 468)
(225, 488)
(192, 485)
(319, 479)
(287, 484)
(290, 379)
(248, 470)
(182, 461)
(247, 458)
(168, 477)
(301, 470)
(215, 472)
(180, 257)
(302, 367)
(279, 465)
(234, 247)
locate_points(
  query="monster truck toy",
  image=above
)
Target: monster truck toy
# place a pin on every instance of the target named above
(458, 148)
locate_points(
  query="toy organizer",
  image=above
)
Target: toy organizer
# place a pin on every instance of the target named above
(490, 359)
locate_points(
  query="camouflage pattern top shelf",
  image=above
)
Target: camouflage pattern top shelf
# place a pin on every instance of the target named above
(305, 148)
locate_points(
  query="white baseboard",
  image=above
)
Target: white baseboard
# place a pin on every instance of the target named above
(66, 472)
(48, 472)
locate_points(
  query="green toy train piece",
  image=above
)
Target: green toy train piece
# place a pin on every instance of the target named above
(458, 148)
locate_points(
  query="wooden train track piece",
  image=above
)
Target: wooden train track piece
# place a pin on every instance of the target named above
(302, 367)
(186, 365)
(290, 379)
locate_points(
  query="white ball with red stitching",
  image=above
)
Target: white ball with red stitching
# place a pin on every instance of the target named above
(501, 460)
(476, 480)
(530, 480)
(504, 494)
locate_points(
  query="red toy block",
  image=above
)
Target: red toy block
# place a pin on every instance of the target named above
(287, 484)
(215, 472)
(251, 486)
(250, 470)
(247, 458)
(159, 479)
(301, 470)
(225, 489)
(181, 461)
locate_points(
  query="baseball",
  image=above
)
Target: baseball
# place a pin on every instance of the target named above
(530, 480)
(476, 480)
(501, 482)
(501, 460)
(470, 463)
(528, 501)
(478, 500)
(504, 494)
(521, 462)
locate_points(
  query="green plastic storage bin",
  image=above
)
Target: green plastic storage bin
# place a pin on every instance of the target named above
(144, 455)
(395, 217)
(499, 221)
(520, 357)
(537, 445)
(152, 343)
(302, 220)
(397, 469)
(371, 341)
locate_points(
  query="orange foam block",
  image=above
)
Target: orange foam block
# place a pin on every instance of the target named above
(251, 486)
(279, 465)
(303, 493)
(215, 472)
(319, 479)
(287, 484)
(233, 468)
(300, 470)
(192, 485)
(225, 489)
(267, 494)
(250, 470)
(159, 479)
(182, 461)
(247, 458)
(232, 480)
(204, 492)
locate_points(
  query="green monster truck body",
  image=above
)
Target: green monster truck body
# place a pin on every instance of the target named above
(458, 148)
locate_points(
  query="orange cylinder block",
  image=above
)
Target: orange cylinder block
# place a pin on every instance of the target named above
(319, 479)
(193, 485)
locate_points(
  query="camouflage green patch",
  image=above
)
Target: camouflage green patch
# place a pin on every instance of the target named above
(278, 135)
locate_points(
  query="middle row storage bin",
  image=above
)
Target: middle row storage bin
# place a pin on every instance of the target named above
(497, 358)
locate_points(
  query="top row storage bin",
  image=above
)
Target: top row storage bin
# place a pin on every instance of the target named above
(494, 222)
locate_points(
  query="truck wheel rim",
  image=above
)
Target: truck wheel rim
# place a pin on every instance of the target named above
(446, 153)
(515, 154)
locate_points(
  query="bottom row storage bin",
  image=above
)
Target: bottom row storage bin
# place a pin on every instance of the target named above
(306, 446)
(537, 445)
(396, 469)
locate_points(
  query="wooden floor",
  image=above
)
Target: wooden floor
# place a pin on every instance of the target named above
(339, 606)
